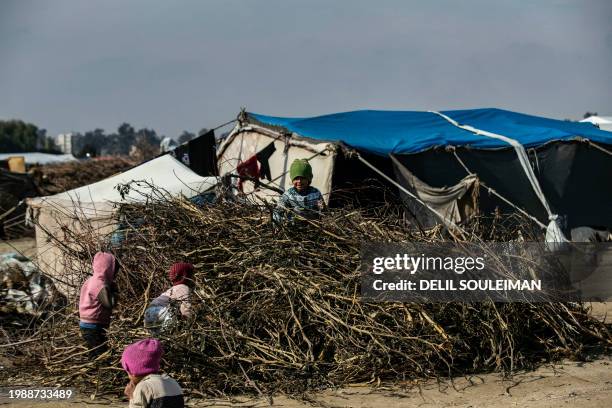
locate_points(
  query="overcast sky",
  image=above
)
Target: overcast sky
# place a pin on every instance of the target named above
(73, 65)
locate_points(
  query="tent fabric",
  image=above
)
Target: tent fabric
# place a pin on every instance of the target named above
(455, 203)
(407, 132)
(164, 172)
(278, 154)
(199, 154)
(572, 176)
(553, 230)
(39, 158)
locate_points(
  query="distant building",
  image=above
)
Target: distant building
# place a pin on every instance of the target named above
(64, 142)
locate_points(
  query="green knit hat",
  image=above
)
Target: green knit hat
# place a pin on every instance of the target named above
(300, 167)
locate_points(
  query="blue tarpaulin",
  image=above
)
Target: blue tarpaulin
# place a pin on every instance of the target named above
(405, 132)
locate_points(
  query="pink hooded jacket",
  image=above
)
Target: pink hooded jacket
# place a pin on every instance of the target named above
(90, 308)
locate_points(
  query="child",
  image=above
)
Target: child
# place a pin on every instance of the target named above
(302, 198)
(148, 388)
(158, 315)
(96, 302)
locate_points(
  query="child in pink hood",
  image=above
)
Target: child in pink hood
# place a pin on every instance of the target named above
(96, 303)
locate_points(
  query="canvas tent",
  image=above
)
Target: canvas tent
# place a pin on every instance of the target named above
(94, 205)
(551, 170)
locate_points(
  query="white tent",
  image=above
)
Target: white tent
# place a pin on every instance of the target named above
(602, 122)
(92, 207)
(39, 158)
(164, 172)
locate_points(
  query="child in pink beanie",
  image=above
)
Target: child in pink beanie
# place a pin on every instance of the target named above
(148, 388)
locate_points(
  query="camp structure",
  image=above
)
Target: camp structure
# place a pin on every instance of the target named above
(93, 207)
(448, 165)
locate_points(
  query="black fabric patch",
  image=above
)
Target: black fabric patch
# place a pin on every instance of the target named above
(173, 401)
(199, 154)
(202, 154)
(262, 157)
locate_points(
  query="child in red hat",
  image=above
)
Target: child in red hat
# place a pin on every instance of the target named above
(158, 315)
(148, 388)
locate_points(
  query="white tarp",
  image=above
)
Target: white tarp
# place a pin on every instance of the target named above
(39, 158)
(603, 122)
(22, 288)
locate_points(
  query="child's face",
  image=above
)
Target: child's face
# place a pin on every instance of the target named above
(134, 378)
(301, 183)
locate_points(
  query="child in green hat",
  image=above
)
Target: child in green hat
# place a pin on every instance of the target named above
(302, 199)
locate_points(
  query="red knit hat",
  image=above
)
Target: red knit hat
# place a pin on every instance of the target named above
(180, 272)
(142, 358)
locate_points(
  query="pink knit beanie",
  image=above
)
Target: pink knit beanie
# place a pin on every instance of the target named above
(142, 357)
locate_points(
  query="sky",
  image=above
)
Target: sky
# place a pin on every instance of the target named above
(73, 65)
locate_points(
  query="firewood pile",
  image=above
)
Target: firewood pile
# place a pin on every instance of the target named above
(278, 308)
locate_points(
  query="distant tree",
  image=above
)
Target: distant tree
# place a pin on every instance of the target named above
(87, 150)
(589, 114)
(144, 148)
(98, 143)
(17, 136)
(126, 130)
(91, 142)
(185, 137)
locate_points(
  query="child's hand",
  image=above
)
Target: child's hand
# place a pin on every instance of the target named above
(129, 390)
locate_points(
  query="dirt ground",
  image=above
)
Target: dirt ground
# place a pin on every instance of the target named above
(582, 385)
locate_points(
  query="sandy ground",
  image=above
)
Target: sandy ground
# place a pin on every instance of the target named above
(26, 246)
(582, 385)
(570, 384)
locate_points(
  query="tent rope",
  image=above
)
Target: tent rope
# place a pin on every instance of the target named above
(490, 190)
(553, 230)
(598, 147)
(446, 221)
(225, 124)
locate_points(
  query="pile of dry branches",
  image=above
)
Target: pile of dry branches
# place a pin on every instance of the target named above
(56, 178)
(278, 308)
